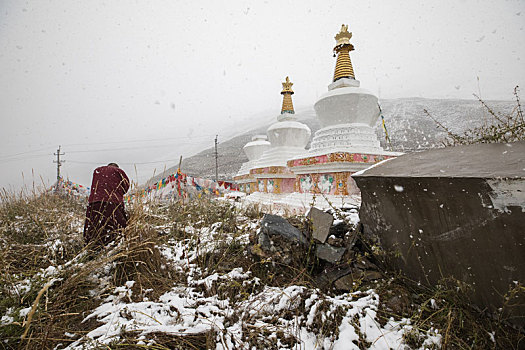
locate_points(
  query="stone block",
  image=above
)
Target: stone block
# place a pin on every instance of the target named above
(331, 274)
(453, 212)
(321, 223)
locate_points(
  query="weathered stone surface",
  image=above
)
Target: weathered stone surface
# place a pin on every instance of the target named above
(364, 264)
(321, 223)
(275, 225)
(329, 253)
(335, 242)
(328, 276)
(371, 275)
(264, 242)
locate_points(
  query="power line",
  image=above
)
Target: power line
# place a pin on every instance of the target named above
(30, 156)
(139, 140)
(129, 148)
(126, 163)
(24, 158)
(115, 149)
(9, 157)
(26, 152)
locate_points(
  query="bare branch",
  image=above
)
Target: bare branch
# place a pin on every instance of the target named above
(505, 128)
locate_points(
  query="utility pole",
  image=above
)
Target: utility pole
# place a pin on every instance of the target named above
(216, 160)
(59, 164)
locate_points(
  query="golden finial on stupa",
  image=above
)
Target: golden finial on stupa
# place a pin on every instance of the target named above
(287, 97)
(343, 66)
(287, 86)
(343, 37)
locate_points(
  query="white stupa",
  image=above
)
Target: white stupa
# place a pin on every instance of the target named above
(287, 136)
(347, 141)
(347, 112)
(253, 150)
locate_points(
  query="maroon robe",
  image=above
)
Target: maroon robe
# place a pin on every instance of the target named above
(105, 215)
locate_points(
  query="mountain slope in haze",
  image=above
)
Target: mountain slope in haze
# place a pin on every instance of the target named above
(410, 130)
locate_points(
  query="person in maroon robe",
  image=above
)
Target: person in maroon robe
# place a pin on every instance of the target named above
(105, 215)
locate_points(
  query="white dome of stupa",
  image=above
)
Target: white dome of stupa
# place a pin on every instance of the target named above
(287, 136)
(253, 150)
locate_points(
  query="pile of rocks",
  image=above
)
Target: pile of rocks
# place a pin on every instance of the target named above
(344, 258)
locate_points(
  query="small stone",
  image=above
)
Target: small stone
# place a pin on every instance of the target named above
(264, 242)
(345, 283)
(279, 240)
(328, 253)
(331, 274)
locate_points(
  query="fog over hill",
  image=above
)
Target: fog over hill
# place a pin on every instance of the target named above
(410, 130)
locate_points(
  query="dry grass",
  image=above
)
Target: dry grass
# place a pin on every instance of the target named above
(163, 341)
(445, 307)
(45, 230)
(31, 227)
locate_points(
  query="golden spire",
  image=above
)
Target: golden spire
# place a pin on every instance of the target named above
(343, 67)
(287, 97)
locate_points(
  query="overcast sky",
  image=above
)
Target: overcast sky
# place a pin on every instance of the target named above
(138, 82)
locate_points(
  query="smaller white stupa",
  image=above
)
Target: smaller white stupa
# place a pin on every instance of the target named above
(287, 137)
(253, 150)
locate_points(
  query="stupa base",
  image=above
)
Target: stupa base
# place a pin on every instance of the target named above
(296, 203)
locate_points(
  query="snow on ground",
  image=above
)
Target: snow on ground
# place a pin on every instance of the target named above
(185, 311)
(278, 310)
(289, 317)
